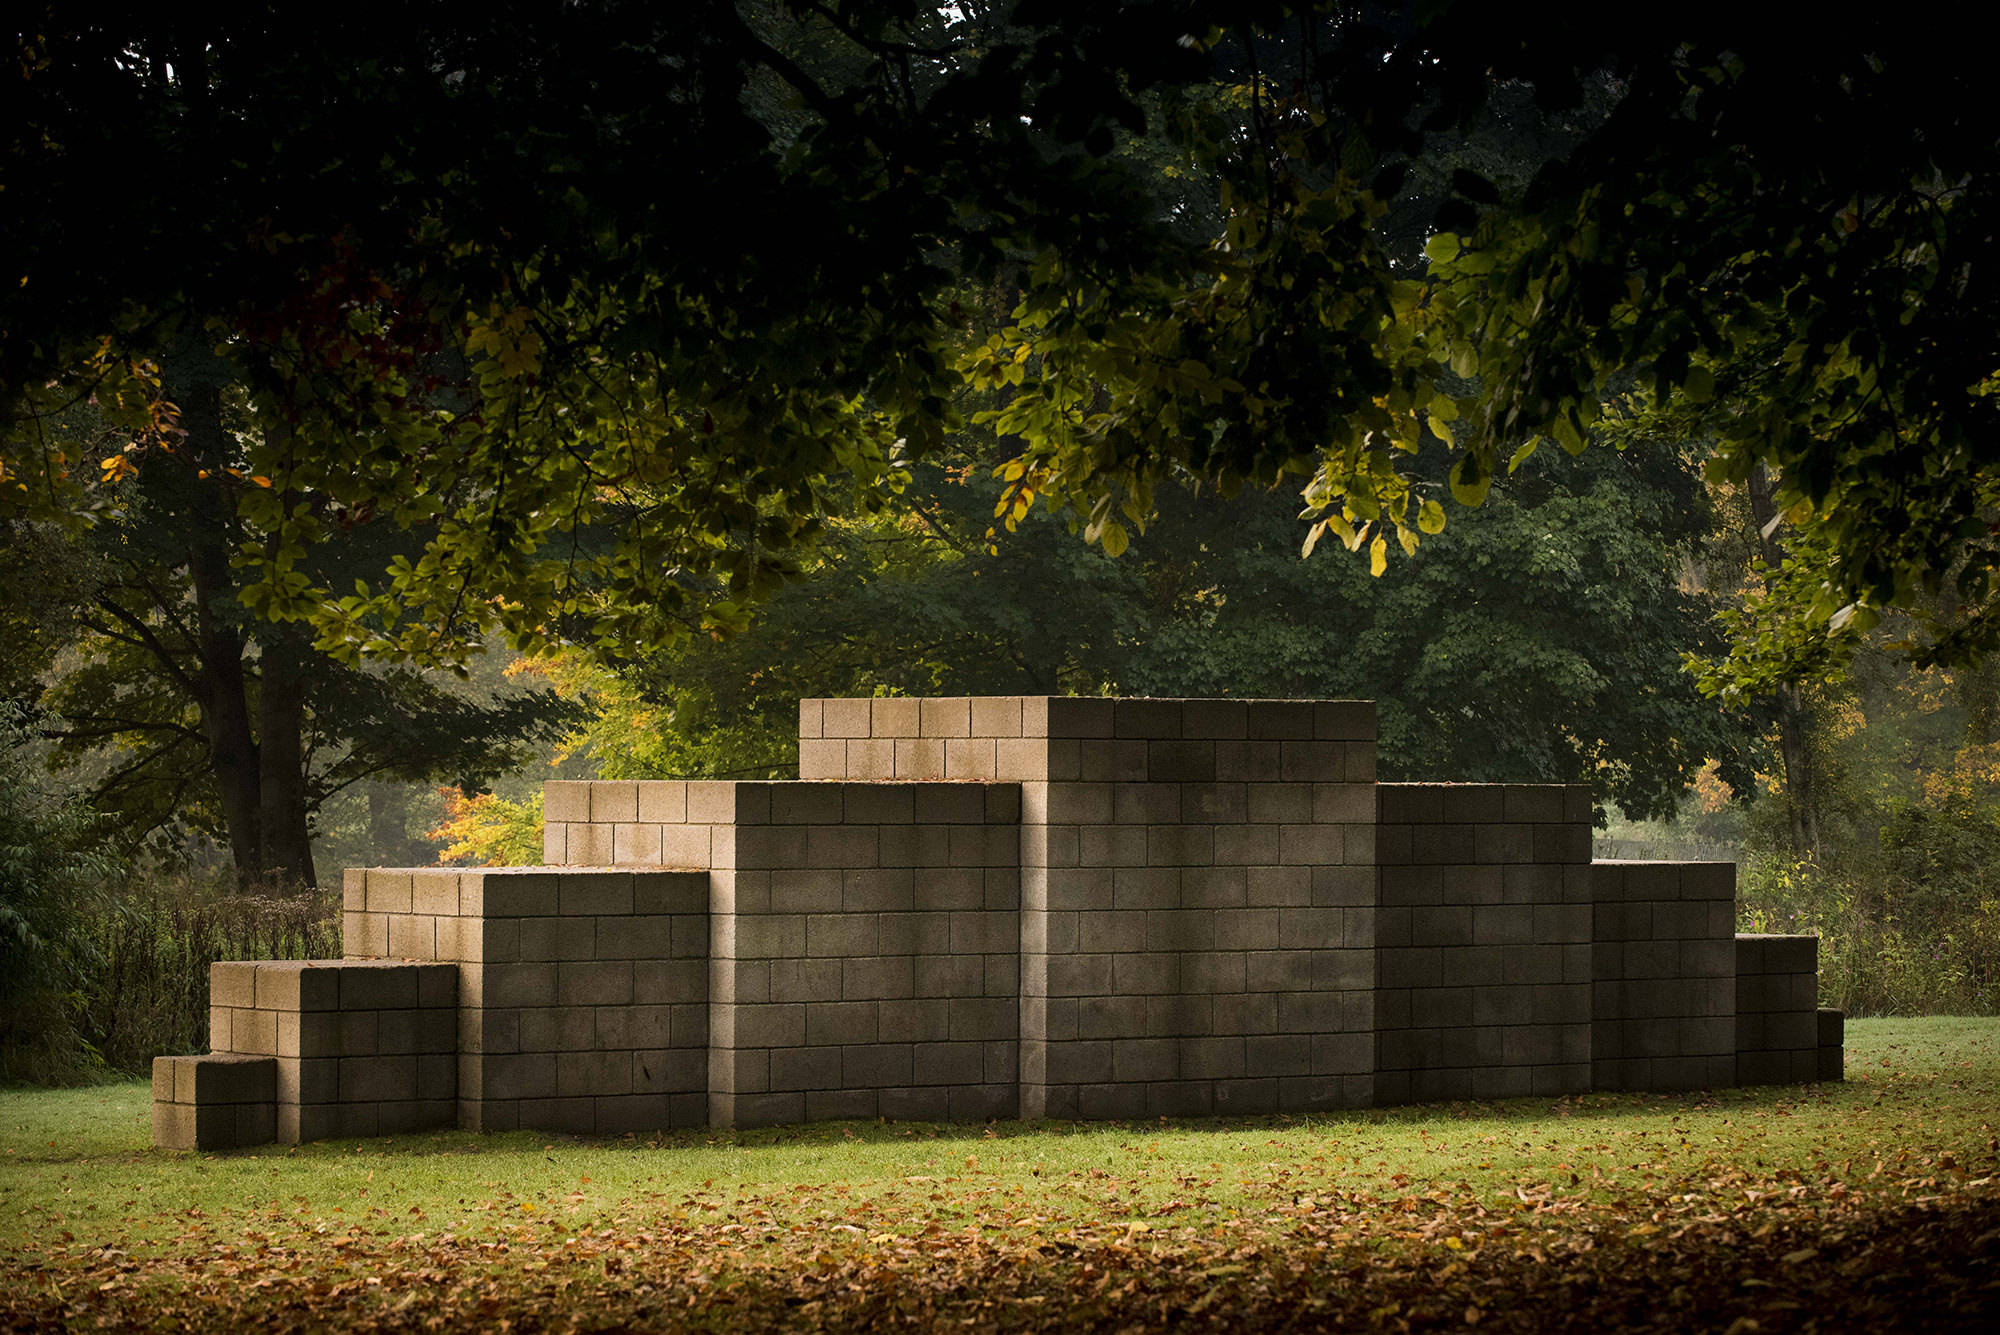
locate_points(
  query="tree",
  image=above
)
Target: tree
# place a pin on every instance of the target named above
(218, 723)
(441, 256)
(1541, 638)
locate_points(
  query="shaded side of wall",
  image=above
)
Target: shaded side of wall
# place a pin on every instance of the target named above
(1778, 1022)
(1665, 965)
(866, 953)
(1484, 940)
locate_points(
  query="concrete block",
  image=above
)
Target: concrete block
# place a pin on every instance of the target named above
(1472, 803)
(1281, 720)
(1562, 843)
(946, 717)
(876, 890)
(822, 759)
(371, 986)
(810, 803)
(614, 802)
(512, 894)
(412, 937)
(996, 716)
(1249, 761)
(1792, 1029)
(434, 891)
(662, 802)
(1145, 719)
(1409, 803)
(1708, 881)
(594, 983)
(296, 985)
(565, 800)
(635, 845)
(889, 717)
(174, 1126)
(354, 890)
(885, 977)
(830, 846)
(846, 718)
(1214, 719)
(232, 983)
(1791, 954)
(837, 934)
(378, 1078)
(1344, 720)
(1503, 843)
(1538, 802)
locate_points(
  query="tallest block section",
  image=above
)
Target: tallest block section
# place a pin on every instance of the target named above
(1198, 888)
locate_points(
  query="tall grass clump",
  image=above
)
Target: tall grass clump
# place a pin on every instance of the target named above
(154, 941)
(1907, 926)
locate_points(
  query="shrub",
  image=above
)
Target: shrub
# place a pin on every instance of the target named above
(53, 878)
(1910, 927)
(488, 831)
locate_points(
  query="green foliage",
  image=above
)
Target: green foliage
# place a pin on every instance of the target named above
(1883, 838)
(1911, 930)
(1562, 666)
(52, 873)
(613, 420)
(202, 722)
(1536, 638)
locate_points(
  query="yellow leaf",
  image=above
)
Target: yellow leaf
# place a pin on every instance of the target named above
(1378, 555)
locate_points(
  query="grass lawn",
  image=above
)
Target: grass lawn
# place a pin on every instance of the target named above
(1871, 1204)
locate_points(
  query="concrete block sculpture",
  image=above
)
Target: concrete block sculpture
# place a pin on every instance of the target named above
(1010, 906)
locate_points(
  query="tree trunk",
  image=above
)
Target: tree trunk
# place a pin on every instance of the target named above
(255, 743)
(388, 825)
(285, 841)
(222, 682)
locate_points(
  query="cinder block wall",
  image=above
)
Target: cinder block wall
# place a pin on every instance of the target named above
(1484, 941)
(214, 1102)
(1197, 888)
(1664, 964)
(864, 956)
(583, 994)
(867, 957)
(363, 1047)
(1777, 1015)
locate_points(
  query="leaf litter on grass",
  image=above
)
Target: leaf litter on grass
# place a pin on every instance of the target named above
(1870, 1205)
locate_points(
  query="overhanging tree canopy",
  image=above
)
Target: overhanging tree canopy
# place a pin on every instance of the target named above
(612, 304)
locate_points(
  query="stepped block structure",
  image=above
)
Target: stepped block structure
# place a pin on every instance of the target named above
(1012, 907)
